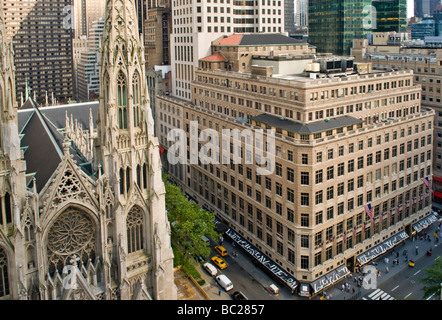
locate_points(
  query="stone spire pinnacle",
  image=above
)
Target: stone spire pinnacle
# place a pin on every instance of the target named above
(10, 143)
(121, 29)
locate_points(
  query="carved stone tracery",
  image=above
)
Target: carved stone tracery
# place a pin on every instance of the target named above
(73, 233)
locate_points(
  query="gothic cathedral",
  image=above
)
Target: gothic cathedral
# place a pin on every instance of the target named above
(76, 226)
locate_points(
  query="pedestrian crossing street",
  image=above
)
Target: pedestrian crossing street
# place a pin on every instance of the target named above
(378, 294)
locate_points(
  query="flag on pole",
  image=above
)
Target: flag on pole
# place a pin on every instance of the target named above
(427, 183)
(368, 210)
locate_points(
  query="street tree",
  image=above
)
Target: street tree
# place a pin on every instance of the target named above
(189, 223)
(433, 279)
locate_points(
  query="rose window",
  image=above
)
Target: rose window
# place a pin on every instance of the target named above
(73, 233)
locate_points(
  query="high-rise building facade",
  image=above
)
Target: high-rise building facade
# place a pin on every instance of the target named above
(88, 80)
(289, 16)
(157, 30)
(197, 24)
(350, 155)
(391, 15)
(301, 13)
(424, 8)
(85, 13)
(334, 24)
(41, 32)
(426, 62)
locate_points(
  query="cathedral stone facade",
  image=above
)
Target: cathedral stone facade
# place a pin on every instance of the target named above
(82, 210)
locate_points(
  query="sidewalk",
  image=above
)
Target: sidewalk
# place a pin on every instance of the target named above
(211, 287)
(409, 245)
(334, 292)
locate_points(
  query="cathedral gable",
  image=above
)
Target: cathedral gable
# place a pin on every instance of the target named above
(69, 184)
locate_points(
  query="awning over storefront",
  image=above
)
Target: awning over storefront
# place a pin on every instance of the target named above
(381, 248)
(425, 222)
(437, 179)
(270, 265)
(329, 278)
(437, 194)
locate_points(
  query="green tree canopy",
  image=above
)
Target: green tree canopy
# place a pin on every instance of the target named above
(189, 223)
(433, 279)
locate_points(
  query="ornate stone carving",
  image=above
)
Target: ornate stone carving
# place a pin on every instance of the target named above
(73, 233)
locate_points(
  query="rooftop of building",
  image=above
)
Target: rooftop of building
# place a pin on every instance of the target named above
(257, 39)
(305, 128)
(41, 137)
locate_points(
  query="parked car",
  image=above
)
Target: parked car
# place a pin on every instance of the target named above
(221, 250)
(210, 269)
(219, 262)
(224, 282)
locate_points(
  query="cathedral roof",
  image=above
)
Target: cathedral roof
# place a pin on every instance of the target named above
(42, 138)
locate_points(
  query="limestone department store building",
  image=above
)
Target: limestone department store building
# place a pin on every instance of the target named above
(346, 137)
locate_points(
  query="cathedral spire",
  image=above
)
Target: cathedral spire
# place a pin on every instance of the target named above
(10, 143)
(124, 111)
(128, 150)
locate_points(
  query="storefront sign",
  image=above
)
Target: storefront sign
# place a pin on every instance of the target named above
(425, 222)
(263, 259)
(329, 278)
(381, 248)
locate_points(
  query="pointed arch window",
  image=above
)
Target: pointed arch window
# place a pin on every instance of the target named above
(4, 277)
(122, 100)
(121, 181)
(106, 88)
(134, 225)
(128, 173)
(5, 209)
(136, 98)
(144, 176)
(139, 176)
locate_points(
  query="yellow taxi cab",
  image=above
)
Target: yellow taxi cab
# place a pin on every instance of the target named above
(221, 250)
(219, 262)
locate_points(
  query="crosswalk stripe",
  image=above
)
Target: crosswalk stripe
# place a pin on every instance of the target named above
(373, 293)
(379, 294)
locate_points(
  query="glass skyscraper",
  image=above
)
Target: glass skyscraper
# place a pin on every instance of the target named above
(333, 24)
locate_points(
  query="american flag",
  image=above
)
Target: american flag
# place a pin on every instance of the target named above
(368, 210)
(427, 183)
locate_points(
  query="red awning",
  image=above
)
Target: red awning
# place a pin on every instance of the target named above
(437, 194)
(437, 179)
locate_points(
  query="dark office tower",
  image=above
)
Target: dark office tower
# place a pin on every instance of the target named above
(424, 8)
(391, 15)
(141, 7)
(289, 16)
(333, 24)
(41, 32)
